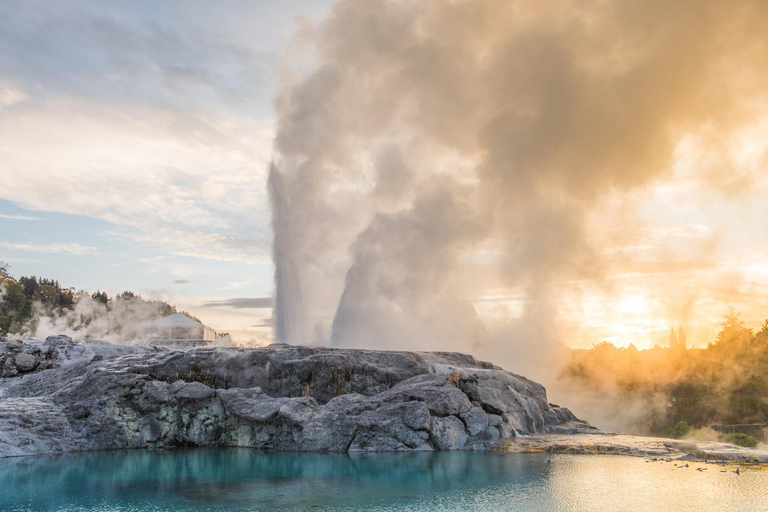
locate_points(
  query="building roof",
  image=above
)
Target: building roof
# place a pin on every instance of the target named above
(175, 320)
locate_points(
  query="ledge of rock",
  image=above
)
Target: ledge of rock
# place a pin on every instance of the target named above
(69, 397)
(647, 447)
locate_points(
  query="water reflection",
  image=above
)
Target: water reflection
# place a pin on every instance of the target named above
(240, 479)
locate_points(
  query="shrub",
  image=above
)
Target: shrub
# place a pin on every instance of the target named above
(680, 429)
(740, 439)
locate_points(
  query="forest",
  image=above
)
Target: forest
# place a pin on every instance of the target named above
(724, 383)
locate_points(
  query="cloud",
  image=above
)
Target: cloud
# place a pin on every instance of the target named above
(159, 129)
(242, 303)
(188, 195)
(182, 281)
(103, 51)
(55, 248)
(19, 217)
(10, 95)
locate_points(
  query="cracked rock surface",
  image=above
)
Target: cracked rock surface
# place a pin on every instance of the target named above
(93, 397)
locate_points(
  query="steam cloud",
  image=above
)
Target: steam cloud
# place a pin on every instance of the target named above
(93, 320)
(442, 149)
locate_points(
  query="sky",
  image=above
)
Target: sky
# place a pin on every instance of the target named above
(464, 161)
(134, 141)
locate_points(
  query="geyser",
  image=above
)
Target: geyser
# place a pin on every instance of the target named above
(438, 151)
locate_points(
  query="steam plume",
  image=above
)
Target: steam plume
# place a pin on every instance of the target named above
(436, 140)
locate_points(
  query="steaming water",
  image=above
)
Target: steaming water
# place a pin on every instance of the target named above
(239, 479)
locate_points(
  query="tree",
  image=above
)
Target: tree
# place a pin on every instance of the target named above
(680, 430)
(31, 287)
(740, 439)
(733, 332)
(15, 309)
(761, 342)
(100, 296)
(604, 347)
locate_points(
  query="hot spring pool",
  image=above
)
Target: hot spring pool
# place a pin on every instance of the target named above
(241, 479)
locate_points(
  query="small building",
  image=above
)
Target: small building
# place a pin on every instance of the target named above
(176, 329)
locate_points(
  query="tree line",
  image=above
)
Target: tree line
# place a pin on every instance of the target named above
(724, 383)
(26, 300)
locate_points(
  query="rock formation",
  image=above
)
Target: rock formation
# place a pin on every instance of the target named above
(59, 396)
(654, 448)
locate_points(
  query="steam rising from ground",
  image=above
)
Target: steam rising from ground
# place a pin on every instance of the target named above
(92, 320)
(120, 322)
(442, 150)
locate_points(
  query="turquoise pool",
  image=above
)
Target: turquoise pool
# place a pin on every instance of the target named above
(241, 479)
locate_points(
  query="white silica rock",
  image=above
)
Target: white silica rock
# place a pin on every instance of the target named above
(281, 397)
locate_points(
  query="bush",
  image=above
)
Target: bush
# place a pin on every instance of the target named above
(740, 439)
(680, 429)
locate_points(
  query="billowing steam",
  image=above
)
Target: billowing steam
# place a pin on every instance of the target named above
(93, 320)
(441, 150)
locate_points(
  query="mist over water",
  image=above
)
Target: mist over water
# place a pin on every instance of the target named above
(437, 152)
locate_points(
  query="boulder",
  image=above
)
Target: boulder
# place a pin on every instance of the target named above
(60, 340)
(25, 362)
